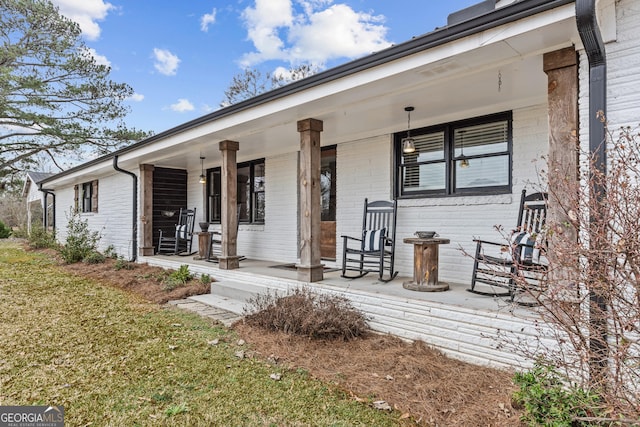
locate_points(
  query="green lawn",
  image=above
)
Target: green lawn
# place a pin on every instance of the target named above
(110, 359)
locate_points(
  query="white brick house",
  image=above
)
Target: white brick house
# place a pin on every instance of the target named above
(485, 62)
(467, 70)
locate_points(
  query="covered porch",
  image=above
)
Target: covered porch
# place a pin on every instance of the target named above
(510, 71)
(463, 325)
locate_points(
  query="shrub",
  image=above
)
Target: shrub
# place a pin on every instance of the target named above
(123, 264)
(110, 252)
(182, 274)
(303, 312)
(20, 233)
(177, 278)
(5, 231)
(94, 257)
(40, 238)
(205, 278)
(80, 240)
(548, 401)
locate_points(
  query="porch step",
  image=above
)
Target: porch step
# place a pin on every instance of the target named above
(230, 295)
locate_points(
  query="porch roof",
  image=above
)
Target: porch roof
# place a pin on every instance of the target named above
(485, 64)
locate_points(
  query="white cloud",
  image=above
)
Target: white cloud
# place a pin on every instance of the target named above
(263, 23)
(282, 73)
(136, 97)
(182, 105)
(337, 32)
(208, 19)
(86, 13)
(318, 33)
(100, 59)
(166, 62)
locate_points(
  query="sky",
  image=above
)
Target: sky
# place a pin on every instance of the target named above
(179, 56)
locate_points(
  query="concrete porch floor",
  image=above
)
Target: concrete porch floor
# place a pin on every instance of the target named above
(463, 325)
(457, 295)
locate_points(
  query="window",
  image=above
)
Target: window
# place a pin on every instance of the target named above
(462, 158)
(86, 196)
(328, 183)
(214, 195)
(251, 192)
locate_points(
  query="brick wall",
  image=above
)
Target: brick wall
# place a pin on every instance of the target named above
(364, 170)
(276, 240)
(113, 220)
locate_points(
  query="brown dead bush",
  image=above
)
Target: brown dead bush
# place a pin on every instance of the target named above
(303, 312)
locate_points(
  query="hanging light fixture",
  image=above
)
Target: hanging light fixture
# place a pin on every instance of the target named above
(203, 178)
(408, 143)
(464, 163)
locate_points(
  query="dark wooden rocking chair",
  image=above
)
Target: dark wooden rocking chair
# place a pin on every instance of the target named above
(374, 251)
(180, 242)
(499, 264)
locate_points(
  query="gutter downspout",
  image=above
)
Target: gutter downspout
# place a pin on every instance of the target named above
(134, 216)
(44, 214)
(594, 47)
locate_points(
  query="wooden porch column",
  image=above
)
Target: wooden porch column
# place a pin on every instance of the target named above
(228, 258)
(310, 268)
(561, 67)
(146, 216)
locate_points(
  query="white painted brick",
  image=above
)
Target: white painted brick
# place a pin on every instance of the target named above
(623, 79)
(364, 170)
(276, 240)
(114, 217)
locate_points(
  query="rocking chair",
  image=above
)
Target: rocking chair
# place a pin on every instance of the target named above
(374, 251)
(520, 262)
(182, 239)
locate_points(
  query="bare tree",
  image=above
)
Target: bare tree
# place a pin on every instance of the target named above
(252, 82)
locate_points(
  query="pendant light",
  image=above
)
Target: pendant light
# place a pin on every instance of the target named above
(464, 163)
(408, 143)
(203, 178)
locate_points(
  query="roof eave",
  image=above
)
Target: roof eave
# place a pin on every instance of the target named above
(505, 15)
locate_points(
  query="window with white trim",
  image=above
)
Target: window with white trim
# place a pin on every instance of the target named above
(470, 157)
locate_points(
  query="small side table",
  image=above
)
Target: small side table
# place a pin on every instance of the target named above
(204, 243)
(425, 265)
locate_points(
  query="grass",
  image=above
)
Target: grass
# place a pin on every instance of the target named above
(111, 359)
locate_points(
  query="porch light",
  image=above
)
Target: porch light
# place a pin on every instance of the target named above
(464, 163)
(408, 143)
(203, 178)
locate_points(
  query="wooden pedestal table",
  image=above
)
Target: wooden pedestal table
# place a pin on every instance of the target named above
(204, 243)
(425, 265)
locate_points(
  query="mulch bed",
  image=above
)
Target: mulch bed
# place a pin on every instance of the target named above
(424, 385)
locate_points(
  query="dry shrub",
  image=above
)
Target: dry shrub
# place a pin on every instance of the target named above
(303, 312)
(592, 302)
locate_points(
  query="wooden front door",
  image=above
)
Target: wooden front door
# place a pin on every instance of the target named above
(328, 197)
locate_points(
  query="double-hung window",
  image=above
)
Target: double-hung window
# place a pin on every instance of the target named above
(86, 197)
(251, 192)
(470, 157)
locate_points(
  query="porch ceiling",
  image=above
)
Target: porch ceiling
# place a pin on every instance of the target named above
(493, 71)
